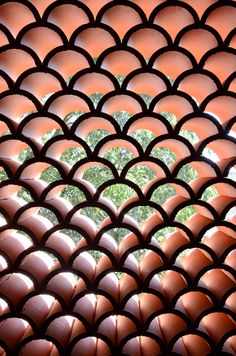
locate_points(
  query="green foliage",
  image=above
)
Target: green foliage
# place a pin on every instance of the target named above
(50, 175)
(121, 117)
(187, 174)
(162, 193)
(94, 137)
(97, 175)
(73, 155)
(143, 137)
(164, 154)
(73, 195)
(140, 175)
(26, 154)
(118, 193)
(3, 175)
(119, 157)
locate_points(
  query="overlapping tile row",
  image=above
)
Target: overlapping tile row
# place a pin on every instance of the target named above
(56, 297)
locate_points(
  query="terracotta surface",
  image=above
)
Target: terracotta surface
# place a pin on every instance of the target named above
(67, 285)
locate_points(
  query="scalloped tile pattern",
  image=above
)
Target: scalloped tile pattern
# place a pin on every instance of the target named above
(56, 298)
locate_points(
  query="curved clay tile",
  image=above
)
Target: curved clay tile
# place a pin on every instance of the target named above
(93, 123)
(15, 61)
(9, 12)
(191, 344)
(12, 146)
(204, 170)
(232, 85)
(117, 328)
(159, 326)
(3, 127)
(65, 328)
(232, 42)
(141, 305)
(146, 83)
(112, 16)
(230, 301)
(34, 171)
(12, 205)
(4, 307)
(179, 148)
(172, 63)
(172, 283)
(200, 6)
(39, 347)
(33, 39)
(3, 39)
(37, 127)
(13, 330)
(13, 243)
(39, 264)
(201, 301)
(41, 6)
(213, 63)
(173, 242)
(214, 19)
(227, 151)
(141, 346)
(68, 62)
(215, 107)
(198, 42)
(148, 123)
(110, 285)
(175, 104)
(147, 41)
(95, 40)
(173, 19)
(64, 104)
(67, 17)
(40, 84)
(195, 125)
(230, 345)
(218, 281)
(95, 6)
(216, 325)
(148, 6)
(194, 260)
(198, 86)
(230, 259)
(173, 202)
(120, 62)
(64, 284)
(3, 263)
(61, 244)
(91, 307)
(85, 263)
(90, 346)
(36, 224)
(14, 106)
(17, 285)
(56, 149)
(118, 143)
(40, 307)
(218, 242)
(127, 286)
(117, 170)
(94, 82)
(122, 102)
(86, 224)
(154, 262)
(199, 221)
